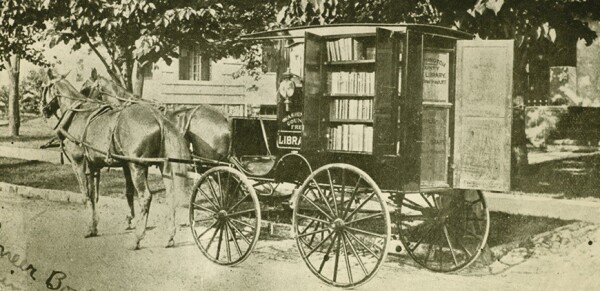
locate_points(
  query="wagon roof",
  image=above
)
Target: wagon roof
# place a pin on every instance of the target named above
(353, 28)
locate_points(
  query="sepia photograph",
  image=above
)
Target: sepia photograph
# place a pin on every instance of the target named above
(299, 145)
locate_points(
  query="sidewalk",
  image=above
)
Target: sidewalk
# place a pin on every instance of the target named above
(513, 203)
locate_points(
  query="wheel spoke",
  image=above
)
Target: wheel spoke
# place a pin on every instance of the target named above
(307, 227)
(227, 246)
(240, 212)
(351, 235)
(314, 232)
(214, 192)
(220, 240)
(208, 198)
(232, 233)
(419, 217)
(360, 262)
(319, 244)
(312, 238)
(413, 205)
(322, 196)
(203, 220)
(348, 268)
(361, 205)
(208, 229)
(428, 253)
(240, 232)
(354, 192)
(221, 189)
(343, 191)
(213, 237)
(426, 200)
(326, 256)
(432, 228)
(200, 207)
(337, 258)
(450, 245)
(318, 208)
(239, 201)
(332, 192)
(365, 218)
(242, 222)
(312, 218)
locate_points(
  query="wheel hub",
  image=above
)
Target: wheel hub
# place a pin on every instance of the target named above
(338, 224)
(221, 214)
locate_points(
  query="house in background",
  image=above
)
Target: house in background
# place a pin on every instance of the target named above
(194, 79)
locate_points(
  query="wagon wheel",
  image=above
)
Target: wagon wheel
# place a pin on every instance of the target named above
(446, 231)
(341, 225)
(225, 215)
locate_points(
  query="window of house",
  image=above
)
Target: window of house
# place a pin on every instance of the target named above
(193, 66)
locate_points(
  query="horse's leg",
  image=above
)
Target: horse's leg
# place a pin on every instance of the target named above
(168, 180)
(87, 187)
(140, 182)
(92, 200)
(129, 193)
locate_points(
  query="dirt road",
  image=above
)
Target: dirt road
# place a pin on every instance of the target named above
(44, 240)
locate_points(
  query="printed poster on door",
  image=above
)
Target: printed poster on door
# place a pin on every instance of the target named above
(436, 73)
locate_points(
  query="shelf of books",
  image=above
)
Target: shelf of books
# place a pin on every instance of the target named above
(350, 90)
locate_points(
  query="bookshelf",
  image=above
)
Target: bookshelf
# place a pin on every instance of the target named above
(348, 69)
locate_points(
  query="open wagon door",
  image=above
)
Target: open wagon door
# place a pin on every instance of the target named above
(483, 114)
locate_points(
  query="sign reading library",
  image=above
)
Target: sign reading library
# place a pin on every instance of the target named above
(436, 75)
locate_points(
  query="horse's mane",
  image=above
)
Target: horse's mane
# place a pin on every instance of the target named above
(118, 89)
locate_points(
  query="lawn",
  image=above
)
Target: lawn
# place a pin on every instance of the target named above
(569, 178)
(61, 177)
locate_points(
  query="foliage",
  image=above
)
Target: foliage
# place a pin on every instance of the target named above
(124, 33)
(30, 89)
(21, 21)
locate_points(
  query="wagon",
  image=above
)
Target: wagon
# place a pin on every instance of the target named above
(381, 131)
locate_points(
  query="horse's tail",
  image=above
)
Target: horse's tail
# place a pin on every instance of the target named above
(174, 146)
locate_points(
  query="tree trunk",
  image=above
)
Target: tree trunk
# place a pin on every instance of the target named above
(14, 118)
(138, 82)
(520, 162)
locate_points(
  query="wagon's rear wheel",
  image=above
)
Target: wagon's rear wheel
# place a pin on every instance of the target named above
(341, 225)
(225, 215)
(445, 231)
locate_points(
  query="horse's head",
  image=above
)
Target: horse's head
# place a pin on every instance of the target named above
(57, 94)
(93, 87)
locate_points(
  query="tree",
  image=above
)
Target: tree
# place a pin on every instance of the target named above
(20, 22)
(128, 35)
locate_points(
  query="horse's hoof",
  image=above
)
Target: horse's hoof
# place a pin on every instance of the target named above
(134, 245)
(91, 234)
(129, 227)
(170, 244)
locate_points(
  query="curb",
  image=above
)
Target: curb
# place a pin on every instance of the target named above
(12, 190)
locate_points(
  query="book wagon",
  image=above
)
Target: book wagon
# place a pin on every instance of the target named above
(383, 130)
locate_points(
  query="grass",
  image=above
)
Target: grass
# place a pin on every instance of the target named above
(34, 131)
(61, 177)
(571, 178)
(505, 228)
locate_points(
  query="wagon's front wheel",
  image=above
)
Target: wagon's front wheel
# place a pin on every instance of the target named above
(224, 215)
(445, 231)
(341, 225)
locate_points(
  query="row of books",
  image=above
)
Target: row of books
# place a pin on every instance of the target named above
(351, 109)
(349, 49)
(355, 83)
(351, 137)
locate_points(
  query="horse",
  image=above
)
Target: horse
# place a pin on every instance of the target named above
(95, 136)
(206, 129)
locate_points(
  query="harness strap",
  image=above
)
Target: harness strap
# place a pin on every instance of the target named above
(111, 143)
(99, 111)
(186, 128)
